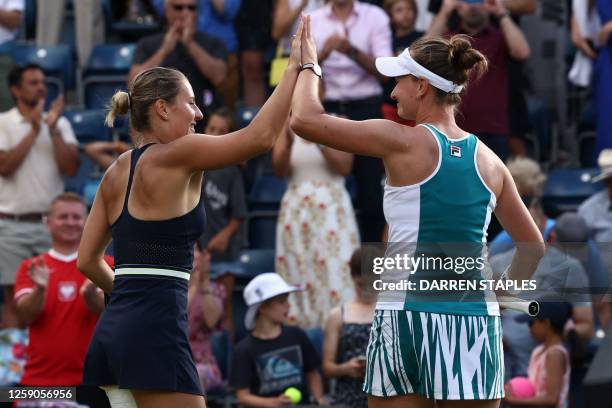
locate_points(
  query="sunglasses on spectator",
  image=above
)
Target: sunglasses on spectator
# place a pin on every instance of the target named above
(181, 7)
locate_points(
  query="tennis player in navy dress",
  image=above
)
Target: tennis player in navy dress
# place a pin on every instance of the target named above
(149, 203)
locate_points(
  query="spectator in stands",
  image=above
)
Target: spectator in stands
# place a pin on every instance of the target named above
(403, 15)
(316, 229)
(347, 333)
(216, 18)
(350, 35)
(199, 56)
(518, 84)
(273, 357)
(549, 365)
(597, 213)
(253, 25)
(60, 305)
(89, 25)
(557, 273)
(603, 84)
(596, 210)
(529, 179)
(11, 12)
(486, 117)
(205, 310)
(36, 150)
(225, 207)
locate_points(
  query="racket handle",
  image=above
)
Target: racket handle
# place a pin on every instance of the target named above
(531, 307)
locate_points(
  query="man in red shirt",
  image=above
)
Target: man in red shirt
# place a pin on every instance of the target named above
(484, 106)
(59, 304)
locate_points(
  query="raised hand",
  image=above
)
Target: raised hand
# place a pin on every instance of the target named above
(187, 32)
(170, 39)
(295, 58)
(309, 49)
(38, 272)
(55, 112)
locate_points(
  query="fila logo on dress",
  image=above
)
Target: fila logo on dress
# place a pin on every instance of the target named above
(455, 151)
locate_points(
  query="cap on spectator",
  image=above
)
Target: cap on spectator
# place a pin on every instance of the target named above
(604, 161)
(261, 288)
(571, 227)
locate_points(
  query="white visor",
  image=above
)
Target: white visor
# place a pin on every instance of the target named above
(404, 64)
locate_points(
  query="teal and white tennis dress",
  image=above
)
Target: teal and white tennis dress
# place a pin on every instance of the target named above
(441, 344)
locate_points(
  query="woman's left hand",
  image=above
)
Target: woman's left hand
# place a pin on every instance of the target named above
(295, 58)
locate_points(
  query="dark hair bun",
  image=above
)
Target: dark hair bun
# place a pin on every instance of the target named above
(462, 56)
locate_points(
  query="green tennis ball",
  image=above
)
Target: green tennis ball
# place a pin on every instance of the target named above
(294, 395)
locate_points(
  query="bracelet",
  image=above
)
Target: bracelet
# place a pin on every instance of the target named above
(206, 291)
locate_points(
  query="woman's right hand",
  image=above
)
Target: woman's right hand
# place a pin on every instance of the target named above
(309, 48)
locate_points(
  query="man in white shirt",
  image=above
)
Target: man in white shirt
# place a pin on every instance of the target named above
(36, 150)
(11, 12)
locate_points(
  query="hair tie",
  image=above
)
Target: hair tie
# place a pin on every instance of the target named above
(129, 101)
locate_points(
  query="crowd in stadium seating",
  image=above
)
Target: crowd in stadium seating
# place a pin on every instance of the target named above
(303, 210)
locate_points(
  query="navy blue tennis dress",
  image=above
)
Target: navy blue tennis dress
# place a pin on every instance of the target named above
(141, 340)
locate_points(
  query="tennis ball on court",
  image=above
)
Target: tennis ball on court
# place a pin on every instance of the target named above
(294, 395)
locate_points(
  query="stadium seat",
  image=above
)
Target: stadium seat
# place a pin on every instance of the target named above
(256, 167)
(105, 73)
(221, 345)
(262, 229)
(256, 261)
(88, 125)
(121, 129)
(316, 335)
(245, 115)
(239, 309)
(566, 189)
(57, 62)
(87, 174)
(267, 192)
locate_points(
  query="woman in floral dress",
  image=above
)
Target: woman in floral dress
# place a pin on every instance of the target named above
(316, 231)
